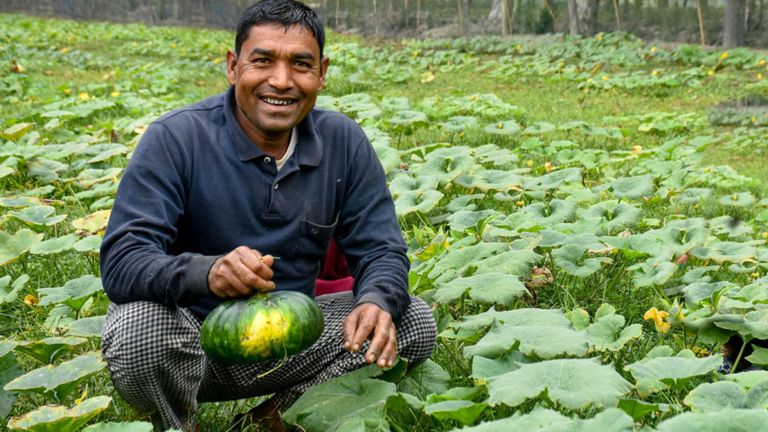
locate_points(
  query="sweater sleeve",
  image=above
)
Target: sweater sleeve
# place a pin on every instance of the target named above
(370, 236)
(150, 201)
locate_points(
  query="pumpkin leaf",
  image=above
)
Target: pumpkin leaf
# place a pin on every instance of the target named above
(87, 327)
(657, 373)
(49, 349)
(59, 380)
(506, 127)
(463, 411)
(573, 259)
(120, 427)
(94, 223)
(726, 419)
(9, 370)
(41, 215)
(633, 187)
(55, 245)
(10, 291)
(74, 293)
(426, 378)
(533, 340)
(573, 383)
(14, 246)
(333, 404)
(57, 418)
(496, 288)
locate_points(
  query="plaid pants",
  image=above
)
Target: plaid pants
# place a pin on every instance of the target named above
(158, 366)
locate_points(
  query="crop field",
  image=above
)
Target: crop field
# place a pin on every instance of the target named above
(588, 218)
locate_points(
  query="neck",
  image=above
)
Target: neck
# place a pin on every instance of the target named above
(275, 145)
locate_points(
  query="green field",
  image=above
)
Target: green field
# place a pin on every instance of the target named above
(588, 217)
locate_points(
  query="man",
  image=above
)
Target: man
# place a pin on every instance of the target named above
(214, 193)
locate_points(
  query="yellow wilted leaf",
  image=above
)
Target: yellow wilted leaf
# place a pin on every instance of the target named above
(82, 397)
(548, 167)
(93, 223)
(427, 76)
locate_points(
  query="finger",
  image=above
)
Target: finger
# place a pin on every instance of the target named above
(259, 280)
(256, 264)
(365, 326)
(350, 324)
(389, 353)
(381, 337)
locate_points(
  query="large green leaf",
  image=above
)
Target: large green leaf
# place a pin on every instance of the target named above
(457, 260)
(74, 293)
(426, 378)
(486, 368)
(56, 418)
(59, 380)
(87, 327)
(10, 291)
(417, 201)
(553, 180)
(55, 245)
(722, 252)
(607, 332)
(731, 420)
(657, 373)
(653, 272)
(497, 288)
(534, 340)
(544, 420)
(553, 212)
(487, 180)
(471, 326)
(120, 427)
(722, 395)
(507, 127)
(335, 403)
(614, 216)
(633, 187)
(49, 349)
(573, 383)
(41, 215)
(13, 246)
(446, 164)
(9, 370)
(463, 411)
(575, 261)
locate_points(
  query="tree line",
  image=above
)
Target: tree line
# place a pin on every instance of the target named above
(729, 23)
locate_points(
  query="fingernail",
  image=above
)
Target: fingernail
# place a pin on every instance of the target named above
(355, 348)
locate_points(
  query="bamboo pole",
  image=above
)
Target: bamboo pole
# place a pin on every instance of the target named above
(461, 17)
(701, 22)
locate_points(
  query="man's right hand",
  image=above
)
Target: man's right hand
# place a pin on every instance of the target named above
(241, 273)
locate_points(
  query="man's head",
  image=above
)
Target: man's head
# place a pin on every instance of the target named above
(287, 13)
(277, 70)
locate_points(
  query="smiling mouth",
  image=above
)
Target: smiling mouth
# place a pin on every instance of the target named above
(277, 102)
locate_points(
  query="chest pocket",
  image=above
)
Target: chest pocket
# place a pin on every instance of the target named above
(312, 244)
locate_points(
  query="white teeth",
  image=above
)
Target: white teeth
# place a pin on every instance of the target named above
(277, 101)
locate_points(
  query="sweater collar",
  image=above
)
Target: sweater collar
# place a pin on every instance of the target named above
(309, 149)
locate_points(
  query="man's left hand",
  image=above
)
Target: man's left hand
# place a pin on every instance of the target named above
(368, 321)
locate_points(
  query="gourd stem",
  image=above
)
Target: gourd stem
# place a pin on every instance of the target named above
(738, 357)
(278, 366)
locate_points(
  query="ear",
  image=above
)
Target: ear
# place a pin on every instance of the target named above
(231, 67)
(324, 62)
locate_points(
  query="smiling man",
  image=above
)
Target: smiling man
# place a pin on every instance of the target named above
(213, 193)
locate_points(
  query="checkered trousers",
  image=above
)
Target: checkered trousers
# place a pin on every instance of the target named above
(158, 366)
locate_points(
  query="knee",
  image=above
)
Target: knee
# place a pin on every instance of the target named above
(138, 337)
(417, 333)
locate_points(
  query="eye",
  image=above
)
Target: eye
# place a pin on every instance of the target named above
(261, 60)
(302, 64)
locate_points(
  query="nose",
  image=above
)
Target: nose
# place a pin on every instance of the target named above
(281, 77)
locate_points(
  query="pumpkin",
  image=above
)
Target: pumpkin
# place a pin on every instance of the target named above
(263, 327)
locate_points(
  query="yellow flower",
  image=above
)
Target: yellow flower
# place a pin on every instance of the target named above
(83, 96)
(755, 275)
(764, 235)
(759, 76)
(529, 162)
(599, 36)
(724, 55)
(658, 319)
(762, 62)
(605, 77)
(636, 149)
(520, 203)
(64, 50)
(415, 53)
(754, 119)
(173, 45)
(548, 167)
(653, 49)
(655, 72)
(710, 72)
(500, 126)
(67, 91)
(115, 93)
(30, 299)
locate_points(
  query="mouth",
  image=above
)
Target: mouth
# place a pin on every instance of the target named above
(278, 102)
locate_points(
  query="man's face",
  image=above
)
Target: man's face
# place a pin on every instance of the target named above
(277, 78)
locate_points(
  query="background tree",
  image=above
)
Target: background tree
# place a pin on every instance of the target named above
(734, 24)
(582, 16)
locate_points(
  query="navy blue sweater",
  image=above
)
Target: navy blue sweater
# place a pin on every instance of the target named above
(196, 188)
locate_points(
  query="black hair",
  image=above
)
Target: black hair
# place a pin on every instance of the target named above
(285, 12)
